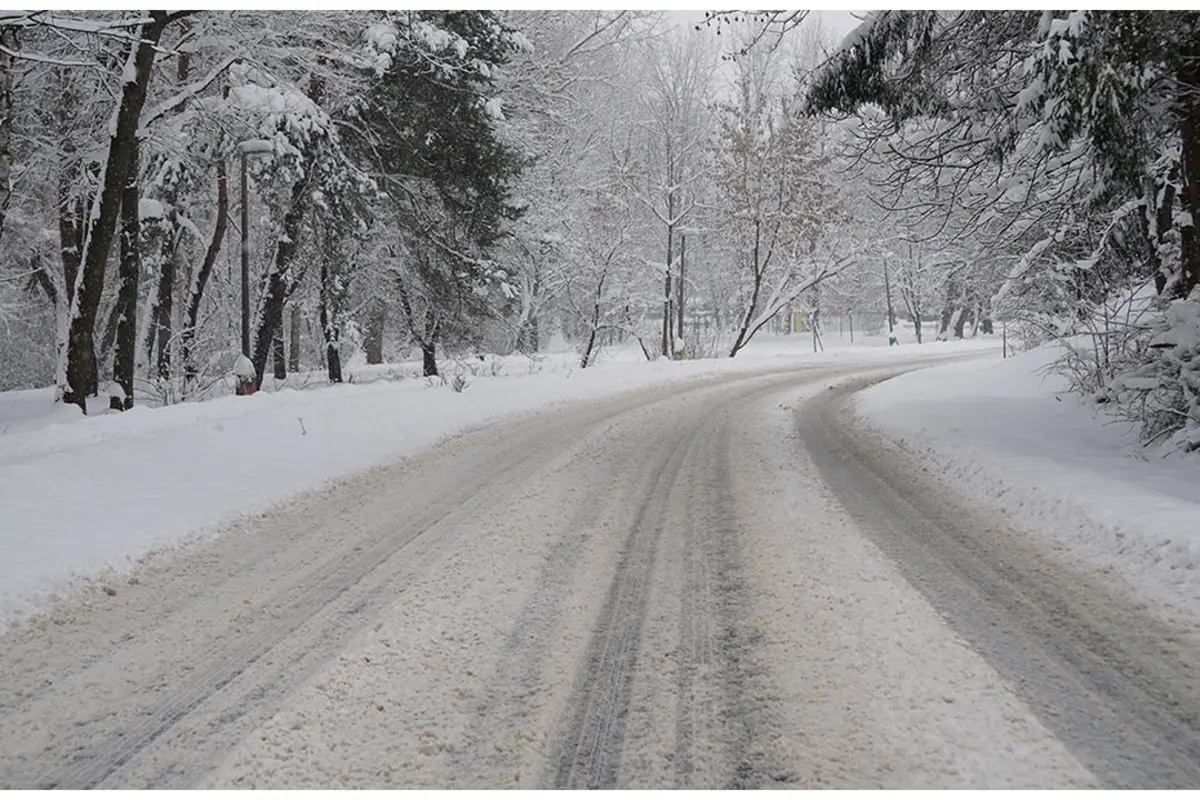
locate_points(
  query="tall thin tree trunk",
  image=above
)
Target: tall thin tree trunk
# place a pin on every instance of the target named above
(294, 343)
(279, 356)
(330, 322)
(1189, 82)
(278, 284)
(187, 336)
(77, 376)
(128, 267)
(163, 303)
(8, 38)
(373, 342)
(743, 335)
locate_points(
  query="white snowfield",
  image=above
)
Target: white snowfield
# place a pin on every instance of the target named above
(1009, 435)
(79, 494)
(699, 575)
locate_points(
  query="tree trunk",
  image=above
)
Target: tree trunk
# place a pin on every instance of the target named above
(278, 284)
(1189, 81)
(949, 308)
(164, 303)
(333, 358)
(70, 218)
(960, 324)
(429, 359)
(373, 342)
(294, 343)
(187, 336)
(8, 38)
(128, 267)
(594, 325)
(330, 322)
(80, 372)
(529, 335)
(279, 357)
(743, 334)
(163, 310)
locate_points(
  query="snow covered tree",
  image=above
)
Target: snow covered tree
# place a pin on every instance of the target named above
(773, 183)
(1063, 142)
(429, 130)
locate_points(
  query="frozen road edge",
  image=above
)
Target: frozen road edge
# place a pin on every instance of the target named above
(1115, 682)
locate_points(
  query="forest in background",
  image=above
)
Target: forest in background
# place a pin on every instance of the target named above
(190, 195)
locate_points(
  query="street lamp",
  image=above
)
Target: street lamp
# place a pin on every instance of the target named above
(245, 370)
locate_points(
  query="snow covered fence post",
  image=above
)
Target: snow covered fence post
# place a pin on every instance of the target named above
(243, 371)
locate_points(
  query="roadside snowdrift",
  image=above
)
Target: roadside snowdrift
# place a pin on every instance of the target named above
(1008, 434)
(81, 494)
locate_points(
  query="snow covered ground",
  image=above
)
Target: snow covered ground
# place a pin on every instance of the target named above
(79, 495)
(1007, 433)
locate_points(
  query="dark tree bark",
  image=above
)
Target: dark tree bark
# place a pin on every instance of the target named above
(743, 334)
(429, 365)
(188, 335)
(963, 315)
(278, 285)
(71, 210)
(373, 341)
(333, 358)
(163, 310)
(332, 296)
(128, 269)
(594, 326)
(294, 342)
(80, 359)
(949, 308)
(8, 38)
(426, 336)
(1189, 81)
(280, 358)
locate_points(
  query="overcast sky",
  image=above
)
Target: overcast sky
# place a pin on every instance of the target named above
(838, 23)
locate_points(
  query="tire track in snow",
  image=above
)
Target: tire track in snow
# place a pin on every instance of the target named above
(1116, 684)
(320, 605)
(724, 693)
(712, 629)
(590, 755)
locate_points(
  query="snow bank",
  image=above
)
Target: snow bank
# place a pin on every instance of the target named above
(1007, 433)
(80, 494)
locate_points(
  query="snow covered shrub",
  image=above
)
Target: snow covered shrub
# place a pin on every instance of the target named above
(459, 383)
(1161, 389)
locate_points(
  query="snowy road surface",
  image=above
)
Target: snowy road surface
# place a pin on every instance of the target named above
(710, 585)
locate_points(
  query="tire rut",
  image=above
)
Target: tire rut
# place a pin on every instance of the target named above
(590, 755)
(319, 604)
(719, 675)
(1115, 684)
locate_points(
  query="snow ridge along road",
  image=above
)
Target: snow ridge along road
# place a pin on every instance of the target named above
(653, 590)
(1116, 683)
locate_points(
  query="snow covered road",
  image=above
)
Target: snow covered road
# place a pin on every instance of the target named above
(706, 585)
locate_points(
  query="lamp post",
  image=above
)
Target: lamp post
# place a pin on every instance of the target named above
(245, 369)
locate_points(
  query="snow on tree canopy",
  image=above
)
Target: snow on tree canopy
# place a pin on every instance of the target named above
(257, 146)
(150, 209)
